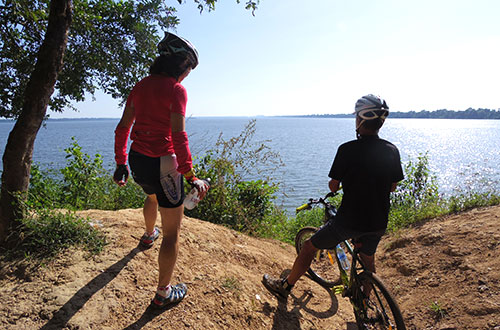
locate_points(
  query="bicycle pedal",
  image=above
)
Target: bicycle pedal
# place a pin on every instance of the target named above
(338, 289)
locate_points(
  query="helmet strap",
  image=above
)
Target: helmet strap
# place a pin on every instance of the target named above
(360, 123)
(358, 136)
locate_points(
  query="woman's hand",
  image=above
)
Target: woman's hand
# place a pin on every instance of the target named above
(121, 175)
(201, 186)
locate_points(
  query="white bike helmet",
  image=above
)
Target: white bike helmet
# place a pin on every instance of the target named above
(371, 107)
(175, 45)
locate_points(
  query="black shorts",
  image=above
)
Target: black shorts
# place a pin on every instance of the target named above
(332, 233)
(159, 176)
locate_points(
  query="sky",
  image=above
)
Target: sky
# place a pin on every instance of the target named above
(318, 57)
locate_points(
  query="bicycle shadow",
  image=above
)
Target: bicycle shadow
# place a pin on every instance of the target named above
(80, 298)
(285, 319)
(303, 301)
(331, 311)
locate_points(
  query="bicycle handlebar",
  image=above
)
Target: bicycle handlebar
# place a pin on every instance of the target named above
(315, 201)
(302, 207)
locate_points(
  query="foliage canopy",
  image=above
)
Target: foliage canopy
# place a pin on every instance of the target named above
(110, 46)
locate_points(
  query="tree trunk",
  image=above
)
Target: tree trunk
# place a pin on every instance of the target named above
(18, 152)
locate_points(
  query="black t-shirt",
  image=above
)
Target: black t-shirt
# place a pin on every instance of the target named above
(366, 167)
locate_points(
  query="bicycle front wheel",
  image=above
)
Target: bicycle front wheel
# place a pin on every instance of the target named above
(324, 269)
(374, 306)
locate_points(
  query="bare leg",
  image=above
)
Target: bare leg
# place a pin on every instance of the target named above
(302, 262)
(150, 212)
(369, 262)
(171, 225)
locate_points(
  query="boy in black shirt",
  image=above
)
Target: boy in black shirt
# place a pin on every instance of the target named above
(369, 169)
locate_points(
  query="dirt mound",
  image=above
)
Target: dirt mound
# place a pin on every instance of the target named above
(445, 275)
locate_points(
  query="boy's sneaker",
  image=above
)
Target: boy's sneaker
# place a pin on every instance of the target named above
(147, 240)
(277, 286)
(177, 293)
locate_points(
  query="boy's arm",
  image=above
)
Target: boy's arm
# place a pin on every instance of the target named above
(393, 186)
(334, 185)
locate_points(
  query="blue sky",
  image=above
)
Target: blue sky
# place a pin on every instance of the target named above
(309, 57)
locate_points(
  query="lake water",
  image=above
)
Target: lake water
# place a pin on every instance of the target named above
(463, 154)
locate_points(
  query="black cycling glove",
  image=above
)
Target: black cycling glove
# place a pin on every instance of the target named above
(121, 174)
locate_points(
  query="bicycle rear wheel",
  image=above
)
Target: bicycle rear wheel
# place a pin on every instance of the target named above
(379, 310)
(324, 269)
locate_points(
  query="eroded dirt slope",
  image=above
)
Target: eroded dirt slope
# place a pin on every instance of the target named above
(451, 264)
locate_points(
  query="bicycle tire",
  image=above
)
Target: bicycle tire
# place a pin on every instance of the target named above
(380, 311)
(323, 269)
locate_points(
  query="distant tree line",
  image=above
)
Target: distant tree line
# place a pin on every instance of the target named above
(436, 114)
(450, 114)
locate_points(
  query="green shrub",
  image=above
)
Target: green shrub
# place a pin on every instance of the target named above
(286, 230)
(468, 200)
(419, 186)
(44, 190)
(241, 204)
(82, 184)
(416, 197)
(44, 233)
(83, 178)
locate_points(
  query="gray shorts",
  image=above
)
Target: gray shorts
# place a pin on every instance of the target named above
(332, 233)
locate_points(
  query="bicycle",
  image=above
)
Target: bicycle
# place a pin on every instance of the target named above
(374, 306)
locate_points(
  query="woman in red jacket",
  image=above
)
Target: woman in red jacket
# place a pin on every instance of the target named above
(159, 155)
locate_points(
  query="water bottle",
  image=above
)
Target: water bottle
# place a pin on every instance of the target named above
(192, 198)
(344, 262)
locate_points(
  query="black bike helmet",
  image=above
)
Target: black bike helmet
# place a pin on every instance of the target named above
(175, 45)
(371, 107)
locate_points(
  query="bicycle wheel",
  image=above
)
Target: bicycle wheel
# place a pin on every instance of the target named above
(380, 310)
(324, 269)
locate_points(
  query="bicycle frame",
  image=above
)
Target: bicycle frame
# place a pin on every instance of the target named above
(358, 283)
(345, 289)
(356, 266)
(356, 263)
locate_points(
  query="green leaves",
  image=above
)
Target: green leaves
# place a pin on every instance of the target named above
(419, 185)
(47, 232)
(233, 199)
(82, 184)
(110, 46)
(416, 197)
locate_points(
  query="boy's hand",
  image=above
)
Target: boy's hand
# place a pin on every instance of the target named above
(334, 185)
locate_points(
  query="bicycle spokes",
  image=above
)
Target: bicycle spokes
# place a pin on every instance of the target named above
(374, 315)
(374, 306)
(323, 268)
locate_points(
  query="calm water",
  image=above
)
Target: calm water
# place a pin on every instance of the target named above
(463, 154)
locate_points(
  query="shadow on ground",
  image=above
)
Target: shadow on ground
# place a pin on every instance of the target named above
(72, 306)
